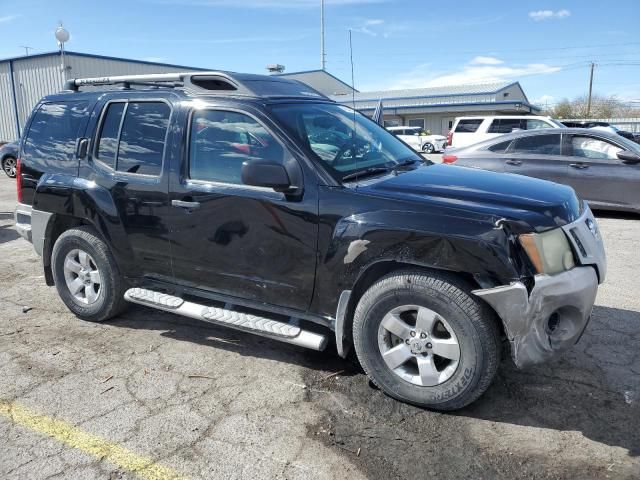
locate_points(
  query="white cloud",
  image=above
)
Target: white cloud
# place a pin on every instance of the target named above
(471, 73)
(374, 21)
(544, 99)
(8, 18)
(540, 15)
(481, 60)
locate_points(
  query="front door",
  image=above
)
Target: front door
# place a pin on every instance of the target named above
(229, 238)
(597, 175)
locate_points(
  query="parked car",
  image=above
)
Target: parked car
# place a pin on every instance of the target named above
(470, 130)
(9, 157)
(607, 127)
(420, 140)
(256, 203)
(602, 168)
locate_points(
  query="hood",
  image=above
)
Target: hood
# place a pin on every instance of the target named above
(538, 204)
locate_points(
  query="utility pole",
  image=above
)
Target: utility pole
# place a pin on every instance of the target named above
(590, 90)
(323, 60)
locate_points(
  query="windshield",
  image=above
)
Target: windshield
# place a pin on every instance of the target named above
(327, 130)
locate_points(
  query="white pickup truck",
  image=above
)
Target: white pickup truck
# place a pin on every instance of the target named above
(470, 130)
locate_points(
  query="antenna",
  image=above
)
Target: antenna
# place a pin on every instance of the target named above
(323, 57)
(353, 105)
(26, 49)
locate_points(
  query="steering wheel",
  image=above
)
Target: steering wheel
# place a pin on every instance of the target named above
(338, 160)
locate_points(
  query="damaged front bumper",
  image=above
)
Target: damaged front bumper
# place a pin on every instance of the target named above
(551, 318)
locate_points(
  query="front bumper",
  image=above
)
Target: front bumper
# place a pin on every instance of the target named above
(552, 317)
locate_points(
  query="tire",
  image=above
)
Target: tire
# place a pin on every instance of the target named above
(9, 165)
(428, 148)
(466, 320)
(93, 301)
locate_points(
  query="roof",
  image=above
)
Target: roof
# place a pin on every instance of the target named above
(439, 97)
(321, 80)
(477, 89)
(102, 57)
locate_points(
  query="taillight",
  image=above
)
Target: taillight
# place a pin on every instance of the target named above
(449, 158)
(450, 138)
(19, 180)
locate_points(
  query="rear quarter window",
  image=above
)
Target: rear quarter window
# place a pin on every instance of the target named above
(52, 136)
(499, 147)
(468, 126)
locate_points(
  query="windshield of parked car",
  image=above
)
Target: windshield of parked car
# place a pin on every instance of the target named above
(343, 140)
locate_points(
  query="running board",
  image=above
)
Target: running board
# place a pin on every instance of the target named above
(266, 327)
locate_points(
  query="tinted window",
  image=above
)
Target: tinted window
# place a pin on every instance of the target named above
(143, 136)
(499, 147)
(538, 144)
(589, 147)
(53, 134)
(468, 126)
(221, 141)
(108, 140)
(343, 141)
(505, 125)
(417, 122)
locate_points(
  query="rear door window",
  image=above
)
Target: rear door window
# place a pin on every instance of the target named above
(505, 125)
(538, 145)
(535, 124)
(135, 143)
(499, 147)
(53, 134)
(468, 126)
(142, 138)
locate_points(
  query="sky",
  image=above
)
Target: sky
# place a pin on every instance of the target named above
(546, 45)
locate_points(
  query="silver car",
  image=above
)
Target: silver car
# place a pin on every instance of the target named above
(603, 168)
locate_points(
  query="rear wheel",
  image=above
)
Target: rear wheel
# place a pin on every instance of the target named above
(428, 148)
(9, 165)
(86, 275)
(424, 339)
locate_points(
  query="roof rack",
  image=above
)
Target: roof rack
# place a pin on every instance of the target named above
(241, 84)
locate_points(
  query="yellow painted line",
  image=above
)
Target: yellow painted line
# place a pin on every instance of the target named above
(74, 437)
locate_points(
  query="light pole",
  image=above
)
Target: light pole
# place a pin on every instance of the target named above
(62, 36)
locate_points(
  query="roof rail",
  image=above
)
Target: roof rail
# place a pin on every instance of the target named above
(216, 82)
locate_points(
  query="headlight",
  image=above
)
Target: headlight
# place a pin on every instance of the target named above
(549, 252)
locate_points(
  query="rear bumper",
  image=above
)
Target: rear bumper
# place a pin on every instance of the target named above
(552, 317)
(22, 217)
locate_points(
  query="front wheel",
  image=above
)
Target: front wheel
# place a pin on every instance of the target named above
(86, 275)
(428, 148)
(424, 339)
(9, 165)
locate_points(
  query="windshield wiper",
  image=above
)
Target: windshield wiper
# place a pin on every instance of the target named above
(406, 163)
(364, 173)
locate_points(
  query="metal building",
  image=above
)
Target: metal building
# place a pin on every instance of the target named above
(25, 80)
(435, 109)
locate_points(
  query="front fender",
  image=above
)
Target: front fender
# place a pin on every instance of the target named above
(444, 242)
(85, 200)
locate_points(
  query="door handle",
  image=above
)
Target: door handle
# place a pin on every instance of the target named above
(185, 204)
(514, 162)
(580, 166)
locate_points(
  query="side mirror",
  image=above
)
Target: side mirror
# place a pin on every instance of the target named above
(265, 173)
(629, 157)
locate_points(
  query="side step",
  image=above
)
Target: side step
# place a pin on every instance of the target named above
(246, 322)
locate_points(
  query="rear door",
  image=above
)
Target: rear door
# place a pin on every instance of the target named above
(129, 158)
(596, 173)
(538, 156)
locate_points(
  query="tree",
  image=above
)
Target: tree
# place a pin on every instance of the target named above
(601, 107)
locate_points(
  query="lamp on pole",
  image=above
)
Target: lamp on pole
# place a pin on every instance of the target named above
(62, 36)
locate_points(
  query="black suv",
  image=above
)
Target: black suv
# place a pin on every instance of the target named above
(256, 203)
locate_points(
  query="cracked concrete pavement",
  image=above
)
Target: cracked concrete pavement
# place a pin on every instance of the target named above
(210, 402)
